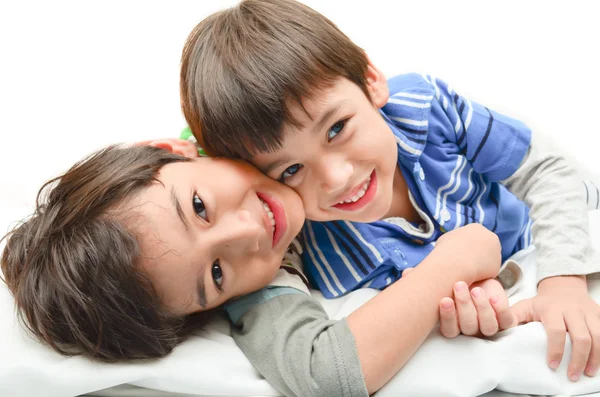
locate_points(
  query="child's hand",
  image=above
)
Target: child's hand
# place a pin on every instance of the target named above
(477, 248)
(563, 305)
(181, 147)
(483, 311)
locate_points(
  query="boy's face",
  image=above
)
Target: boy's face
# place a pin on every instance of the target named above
(342, 158)
(206, 234)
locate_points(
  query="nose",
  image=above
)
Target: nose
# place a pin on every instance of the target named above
(241, 232)
(334, 172)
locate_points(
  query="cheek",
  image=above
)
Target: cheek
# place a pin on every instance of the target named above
(310, 202)
(261, 273)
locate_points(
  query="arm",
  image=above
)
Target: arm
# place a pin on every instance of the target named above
(293, 344)
(496, 146)
(551, 188)
(501, 149)
(407, 311)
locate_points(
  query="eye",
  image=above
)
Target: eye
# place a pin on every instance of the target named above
(335, 129)
(199, 207)
(290, 171)
(217, 274)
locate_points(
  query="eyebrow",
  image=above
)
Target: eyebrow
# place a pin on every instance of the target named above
(318, 127)
(327, 115)
(179, 210)
(275, 164)
(201, 290)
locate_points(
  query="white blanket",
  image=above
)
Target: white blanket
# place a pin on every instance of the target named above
(76, 76)
(210, 364)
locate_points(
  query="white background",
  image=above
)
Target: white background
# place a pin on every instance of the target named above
(75, 76)
(78, 75)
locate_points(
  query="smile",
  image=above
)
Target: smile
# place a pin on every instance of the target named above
(270, 214)
(361, 192)
(275, 216)
(360, 196)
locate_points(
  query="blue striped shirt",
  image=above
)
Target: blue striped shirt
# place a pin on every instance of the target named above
(452, 152)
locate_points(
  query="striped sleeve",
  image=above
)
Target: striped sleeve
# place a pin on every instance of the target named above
(339, 255)
(494, 144)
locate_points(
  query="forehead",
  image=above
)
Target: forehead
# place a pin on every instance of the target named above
(163, 245)
(156, 220)
(323, 96)
(307, 118)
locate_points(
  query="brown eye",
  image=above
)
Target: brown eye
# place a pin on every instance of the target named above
(217, 274)
(199, 207)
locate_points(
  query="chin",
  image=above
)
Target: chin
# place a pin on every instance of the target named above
(367, 218)
(370, 216)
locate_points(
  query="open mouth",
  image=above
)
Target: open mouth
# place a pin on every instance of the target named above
(361, 196)
(270, 214)
(276, 216)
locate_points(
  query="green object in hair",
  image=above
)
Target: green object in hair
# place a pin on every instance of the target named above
(187, 135)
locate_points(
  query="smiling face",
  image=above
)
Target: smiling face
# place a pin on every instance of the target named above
(343, 156)
(211, 230)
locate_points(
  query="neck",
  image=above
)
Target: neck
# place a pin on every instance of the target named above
(401, 206)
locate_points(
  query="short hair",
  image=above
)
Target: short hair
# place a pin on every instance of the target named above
(72, 267)
(243, 67)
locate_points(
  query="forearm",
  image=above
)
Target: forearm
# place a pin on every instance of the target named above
(290, 339)
(390, 327)
(299, 350)
(553, 191)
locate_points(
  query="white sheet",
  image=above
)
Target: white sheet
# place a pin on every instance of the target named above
(211, 364)
(79, 75)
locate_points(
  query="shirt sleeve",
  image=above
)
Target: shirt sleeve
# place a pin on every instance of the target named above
(554, 193)
(292, 342)
(493, 143)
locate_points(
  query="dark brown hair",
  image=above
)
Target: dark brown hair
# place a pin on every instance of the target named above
(72, 266)
(242, 67)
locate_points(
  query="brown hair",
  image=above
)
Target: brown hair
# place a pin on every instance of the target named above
(72, 265)
(242, 67)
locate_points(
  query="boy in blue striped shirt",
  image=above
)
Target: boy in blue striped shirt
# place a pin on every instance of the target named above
(386, 167)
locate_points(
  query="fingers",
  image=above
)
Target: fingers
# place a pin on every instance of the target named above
(488, 324)
(505, 316)
(185, 148)
(177, 146)
(448, 319)
(476, 311)
(406, 271)
(522, 311)
(143, 143)
(556, 332)
(581, 342)
(593, 324)
(467, 314)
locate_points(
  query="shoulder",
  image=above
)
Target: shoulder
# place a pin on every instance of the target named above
(410, 83)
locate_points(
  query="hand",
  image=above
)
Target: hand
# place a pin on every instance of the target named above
(483, 311)
(181, 147)
(473, 249)
(563, 305)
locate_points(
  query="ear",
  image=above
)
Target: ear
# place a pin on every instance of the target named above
(377, 85)
(181, 147)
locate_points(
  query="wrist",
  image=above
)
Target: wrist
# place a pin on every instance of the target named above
(549, 284)
(450, 265)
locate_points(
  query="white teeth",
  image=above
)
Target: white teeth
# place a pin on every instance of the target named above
(359, 194)
(269, 212)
